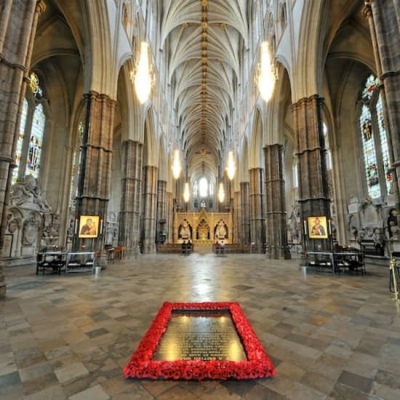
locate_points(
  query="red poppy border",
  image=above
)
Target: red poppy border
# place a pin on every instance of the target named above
(257, 365)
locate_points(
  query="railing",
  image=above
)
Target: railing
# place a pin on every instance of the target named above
(350, 259)
(58, 261)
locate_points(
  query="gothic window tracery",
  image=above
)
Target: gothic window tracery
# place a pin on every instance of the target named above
(374, 140)
(203, 192)
(21, 136)
(36, 142)
(76, 162)
(31, 132)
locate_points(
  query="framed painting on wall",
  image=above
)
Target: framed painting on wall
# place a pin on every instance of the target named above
(317, 227)
(88, 226)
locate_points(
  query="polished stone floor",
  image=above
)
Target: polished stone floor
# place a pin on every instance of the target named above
(329, 336)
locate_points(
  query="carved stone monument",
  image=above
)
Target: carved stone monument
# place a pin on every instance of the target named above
(31, 224)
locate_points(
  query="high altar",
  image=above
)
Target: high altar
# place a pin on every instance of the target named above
(203, 228)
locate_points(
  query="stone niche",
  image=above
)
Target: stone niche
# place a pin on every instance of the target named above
(30, 225)
(111, 229)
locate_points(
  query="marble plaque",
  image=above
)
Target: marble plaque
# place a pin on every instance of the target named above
(200, 335)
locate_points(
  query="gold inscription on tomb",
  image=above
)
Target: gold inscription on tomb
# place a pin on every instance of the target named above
(201, 336)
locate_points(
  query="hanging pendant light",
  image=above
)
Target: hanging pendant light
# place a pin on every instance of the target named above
(221, 193)
(231, 168)
(143, 78)
(176, 164)
(266, 76)
(186, 192)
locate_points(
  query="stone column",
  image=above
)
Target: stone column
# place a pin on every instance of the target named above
(384, 24)
(277, 242)
(18, 23)
(161, 208)
(257, 227)
(244, 213)
(229, 202)
(129, 225)
(170, 217)
(236, 218)
(95, 167)
(149, 222)
(178, 194)
(313, 177)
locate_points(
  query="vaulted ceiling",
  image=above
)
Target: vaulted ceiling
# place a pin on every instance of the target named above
(204, 41)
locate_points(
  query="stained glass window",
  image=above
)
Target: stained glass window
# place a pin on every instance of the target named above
(35, 85)
(370, 85)
(35, 142)
(203, 187)
(295, 175)
(327, 147)
(374, 141)
(384, 145)
(30, 133)
(76, 162)
(20, 142)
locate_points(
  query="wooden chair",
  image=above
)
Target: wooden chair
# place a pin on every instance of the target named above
(123, 252)
(117, 253)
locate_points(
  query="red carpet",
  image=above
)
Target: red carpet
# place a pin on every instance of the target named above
(255, 364)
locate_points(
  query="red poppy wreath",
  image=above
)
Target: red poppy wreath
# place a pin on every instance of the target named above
(143, 364)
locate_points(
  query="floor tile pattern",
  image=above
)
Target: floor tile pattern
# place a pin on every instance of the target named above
(329, 336)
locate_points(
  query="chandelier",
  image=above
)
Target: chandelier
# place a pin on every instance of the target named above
(176, 164)
(221, 193)
(143, 79)
(186, 192)
(231, 168)
(265, 75)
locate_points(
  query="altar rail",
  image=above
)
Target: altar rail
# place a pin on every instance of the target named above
(232, 248)
(177, 248)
